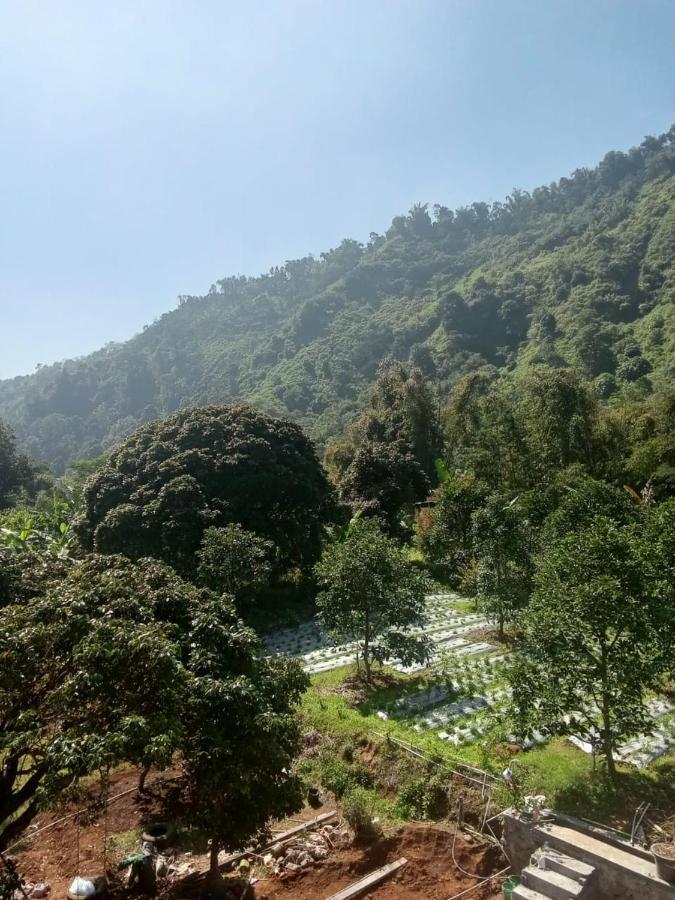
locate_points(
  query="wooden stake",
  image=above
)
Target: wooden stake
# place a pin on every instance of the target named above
(370, 881)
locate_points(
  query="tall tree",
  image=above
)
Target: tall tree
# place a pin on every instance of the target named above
(16, 471)
(373, 595)
(595, 639)
(171, 480)
(502, 548)
(561, 420)
(384, 480)
(446, 533)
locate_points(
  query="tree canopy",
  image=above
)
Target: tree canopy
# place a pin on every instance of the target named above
(166, 484)
(576, 274)
(371, 593)
(597, 634)
(124, 661)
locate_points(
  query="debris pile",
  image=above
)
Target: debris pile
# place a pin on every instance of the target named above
(288, 860)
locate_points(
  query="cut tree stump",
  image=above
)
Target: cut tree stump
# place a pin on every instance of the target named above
(370, 881)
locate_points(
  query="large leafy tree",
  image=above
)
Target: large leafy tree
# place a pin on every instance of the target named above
(445, 531)
(561, 420)
(597, 635)
(90, 675)
(171, 480)
(502, 547)
(125, 661)
(384, 480)
(373, 595)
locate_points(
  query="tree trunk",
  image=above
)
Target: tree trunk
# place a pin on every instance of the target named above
(213, 857)
(607, 748)
(608, 751)
(366, 650)
(214, 879)
(141, 779)
(501, 625)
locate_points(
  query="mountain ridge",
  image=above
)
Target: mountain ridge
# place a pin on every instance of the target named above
(579, 272)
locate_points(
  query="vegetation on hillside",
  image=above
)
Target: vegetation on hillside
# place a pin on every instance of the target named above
(577, 273)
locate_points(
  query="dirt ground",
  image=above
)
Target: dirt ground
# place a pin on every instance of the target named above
(52, 856)
(430, 872)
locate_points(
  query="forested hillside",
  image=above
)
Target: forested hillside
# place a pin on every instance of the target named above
(578, 273)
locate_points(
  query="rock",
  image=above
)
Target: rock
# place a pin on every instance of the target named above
(277, 850)
(292, 868)
(304, 860)
(161, 867)
(318, 852)
(268, 860)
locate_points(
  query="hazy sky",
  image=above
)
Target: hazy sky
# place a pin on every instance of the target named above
(150, 148)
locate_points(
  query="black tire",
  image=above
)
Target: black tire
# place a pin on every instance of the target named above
(158, 833)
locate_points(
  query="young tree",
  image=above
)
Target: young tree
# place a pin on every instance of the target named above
(502, 548)
(593, 639)
(235, 561)
(446, 537)
(241, 731)
(372, 594)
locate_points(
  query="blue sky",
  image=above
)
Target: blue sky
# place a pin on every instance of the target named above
(150, 148)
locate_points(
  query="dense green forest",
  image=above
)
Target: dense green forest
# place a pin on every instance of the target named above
(578, 273)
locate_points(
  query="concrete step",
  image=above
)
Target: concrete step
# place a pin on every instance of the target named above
(569, 866)
(596, 852)
(523, 892)
(551, 883)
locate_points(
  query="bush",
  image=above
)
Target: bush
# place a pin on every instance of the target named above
(356, 810)
(334, 775)
(423, 798)
(338, 777)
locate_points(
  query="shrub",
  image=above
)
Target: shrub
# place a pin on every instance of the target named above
(356, 810)
(423, 798)
(334, 775)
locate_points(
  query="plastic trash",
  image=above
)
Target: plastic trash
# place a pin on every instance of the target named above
(80, 888)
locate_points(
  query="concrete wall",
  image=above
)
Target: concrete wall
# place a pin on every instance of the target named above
(621, 873)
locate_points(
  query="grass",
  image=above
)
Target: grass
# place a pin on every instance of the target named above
(123, 843)
(560, 771)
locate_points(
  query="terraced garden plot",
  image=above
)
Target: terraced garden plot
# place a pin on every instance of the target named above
(445, 626)
(469, 693)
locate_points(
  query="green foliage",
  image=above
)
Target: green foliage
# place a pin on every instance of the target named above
(165, 485)
(371, 593)
(338, 776)
(386, 461)
(423, 797)
(578, 273)
(597, 633)
(502, 546)
(124, 661)
(444, 532)
(356, 809)
(17, 474)
(235, 561)
(384, 480)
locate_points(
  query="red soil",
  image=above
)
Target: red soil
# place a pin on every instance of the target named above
(431, 873)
